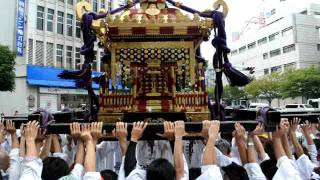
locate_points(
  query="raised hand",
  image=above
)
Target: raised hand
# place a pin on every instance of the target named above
(240, 131)
(86, 133)
(137, 130)
(280, 130)
(96, 130)
(2, 132)
(205, 128)
(75, 130)
(168, 130)
(31, 130)
(294, 124)
(214, 129)
(258, 130)
(121, 132)
(306, 128)
(285, 125)
(10, 128)
(179, 129)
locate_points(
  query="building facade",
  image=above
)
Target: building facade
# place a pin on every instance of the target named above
(290, 40)
(48, 36)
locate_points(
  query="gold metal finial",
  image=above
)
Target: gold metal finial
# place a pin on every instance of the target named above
(82, 7)
(224, 5)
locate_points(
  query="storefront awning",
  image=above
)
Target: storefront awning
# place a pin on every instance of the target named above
(48, 77)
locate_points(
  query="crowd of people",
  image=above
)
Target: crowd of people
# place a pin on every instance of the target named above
(289, 152)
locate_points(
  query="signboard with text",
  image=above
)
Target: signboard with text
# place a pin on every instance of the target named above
(20, 28)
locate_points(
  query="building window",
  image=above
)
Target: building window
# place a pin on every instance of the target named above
(69, 57)
(70, 2)
(61, 1)
(78, 60)
(276, 69)
(60, 22)
(102, 4)
(109, 5)
(265, 55)
(289, 48)
(69, 24)
(273, 36)
(50, 15)
(266, 71)
(39, 53)
(290, 66)
(242, 49)
(94, 63)
(252, 45)
(288, 31)
(275, 52)
(262, 41)
(78, 29)
(49, 55)
(40, 18)
(318, 47)
(234, 52)
(30, 51)
(273, 11)
(95, 5)
(59, 56)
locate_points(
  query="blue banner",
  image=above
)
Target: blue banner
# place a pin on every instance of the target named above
(20, 28)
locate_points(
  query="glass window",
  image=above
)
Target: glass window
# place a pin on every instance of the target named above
(109, 5)
(30, 51)
(78, 60)
(61, 1)
(289, 48)
(40, 18)
(266, 71)
(59, 56)
(69, 57)
(103, 4)
(70, 2)
(69, 24)
(60, 22)
(288, 31)
(94, 63)
(242, 49)
(252, 45)
(78, 29)
(275, 52)
(50, 15)
(290, 66)
(274, 36)
(276, 69)
(262, 41)
(265, 55)
(95, 5)
(318, 47)
(49, 55)
(39, 53)
(234, 52)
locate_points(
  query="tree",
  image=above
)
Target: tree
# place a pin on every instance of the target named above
(267, 87)
(7, 74)
(232, 93)
(301, 82)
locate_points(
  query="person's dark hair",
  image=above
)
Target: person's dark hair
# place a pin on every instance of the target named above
(268, 147)
(269, 168)
(54, 168)
(160, 169)
(235, 172)
(108, 175)
(194, 173)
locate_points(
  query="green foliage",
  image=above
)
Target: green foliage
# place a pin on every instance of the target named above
(267, 87)
(7, 74)
(301, 82)
(233, 93)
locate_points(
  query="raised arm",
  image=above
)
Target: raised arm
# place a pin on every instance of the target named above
(46, 147)
(90, 156)
(312, 149)
(240, 133)
(121, 133)
(292, 133)
(22, 148)
(257, 143)
(209, 155)
(130, 160)
(179, 132)
(284, 138)
(277, 142)
(75, 131)
(10, 128)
